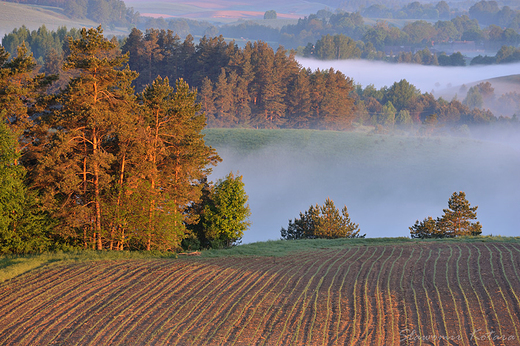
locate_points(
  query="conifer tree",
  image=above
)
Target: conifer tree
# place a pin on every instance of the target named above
(77, 171)
(23, 229)
(177, 159)
(20, 90)
(456, 220)
(324, 221)
(333, 224)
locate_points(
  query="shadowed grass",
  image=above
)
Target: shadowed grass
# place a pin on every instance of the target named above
(12, 266)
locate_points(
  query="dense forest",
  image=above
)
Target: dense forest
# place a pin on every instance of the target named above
(75, 173)
(256, 86)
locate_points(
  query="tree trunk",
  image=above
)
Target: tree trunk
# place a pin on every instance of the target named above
(97, 195)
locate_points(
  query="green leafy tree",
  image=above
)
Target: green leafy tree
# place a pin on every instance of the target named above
(23, 229)
(226, 213)
(324, 221)
(474, 98)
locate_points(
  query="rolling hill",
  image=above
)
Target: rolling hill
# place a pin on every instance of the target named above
(316, 292)
(13, 15)
(387, 181)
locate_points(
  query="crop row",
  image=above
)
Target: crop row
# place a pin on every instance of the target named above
(420, 294)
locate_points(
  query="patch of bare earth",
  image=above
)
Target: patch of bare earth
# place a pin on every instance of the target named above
(431, 294)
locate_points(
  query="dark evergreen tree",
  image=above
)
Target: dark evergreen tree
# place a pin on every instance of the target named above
(455, 222)
(324, 221)
(23, 227)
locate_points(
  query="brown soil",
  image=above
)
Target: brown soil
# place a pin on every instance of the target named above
(430, 294)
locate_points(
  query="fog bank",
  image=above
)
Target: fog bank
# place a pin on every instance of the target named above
(426, 78)
(387, 183)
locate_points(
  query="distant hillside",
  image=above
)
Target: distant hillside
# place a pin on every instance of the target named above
(13, 15)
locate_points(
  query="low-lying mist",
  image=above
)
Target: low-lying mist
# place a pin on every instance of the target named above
(425, 78)
(387, 182)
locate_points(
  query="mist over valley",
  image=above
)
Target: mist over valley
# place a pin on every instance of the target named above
(444, 81)
(387, 182)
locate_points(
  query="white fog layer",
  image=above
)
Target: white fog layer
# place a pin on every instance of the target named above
(425, 78)
(387, 183)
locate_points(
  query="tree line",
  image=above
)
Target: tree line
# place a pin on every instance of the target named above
(96, 165)
(258, 87)
(253, 86)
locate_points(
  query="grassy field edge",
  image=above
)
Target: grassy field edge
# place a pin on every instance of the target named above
(13, 266)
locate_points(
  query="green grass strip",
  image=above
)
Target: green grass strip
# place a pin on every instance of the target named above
(428, 299)
(219, 276)
(182, 277)
(47, 298)
(390, 303)
(303, 297)
(243, 279)
(483, 314)
(275, 288)
(155, 280)
(439, 295)
(281, 309)
(419, 324)
(78, 302)
(316, 295)
(404, 297)
(327, 317)
(367, 302)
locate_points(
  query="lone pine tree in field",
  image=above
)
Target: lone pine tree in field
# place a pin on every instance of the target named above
(455, 222)
(324, 221)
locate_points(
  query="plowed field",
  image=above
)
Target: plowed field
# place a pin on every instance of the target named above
(409, 294)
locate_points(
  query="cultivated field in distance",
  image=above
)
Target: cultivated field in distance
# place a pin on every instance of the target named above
(362, 292)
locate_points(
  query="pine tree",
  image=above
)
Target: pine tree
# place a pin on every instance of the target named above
(177, 159)
(77, 171)
(20, 90)
(23, 228)
(456, 220)
(324, 221)
(426, 229)
(333, 224)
